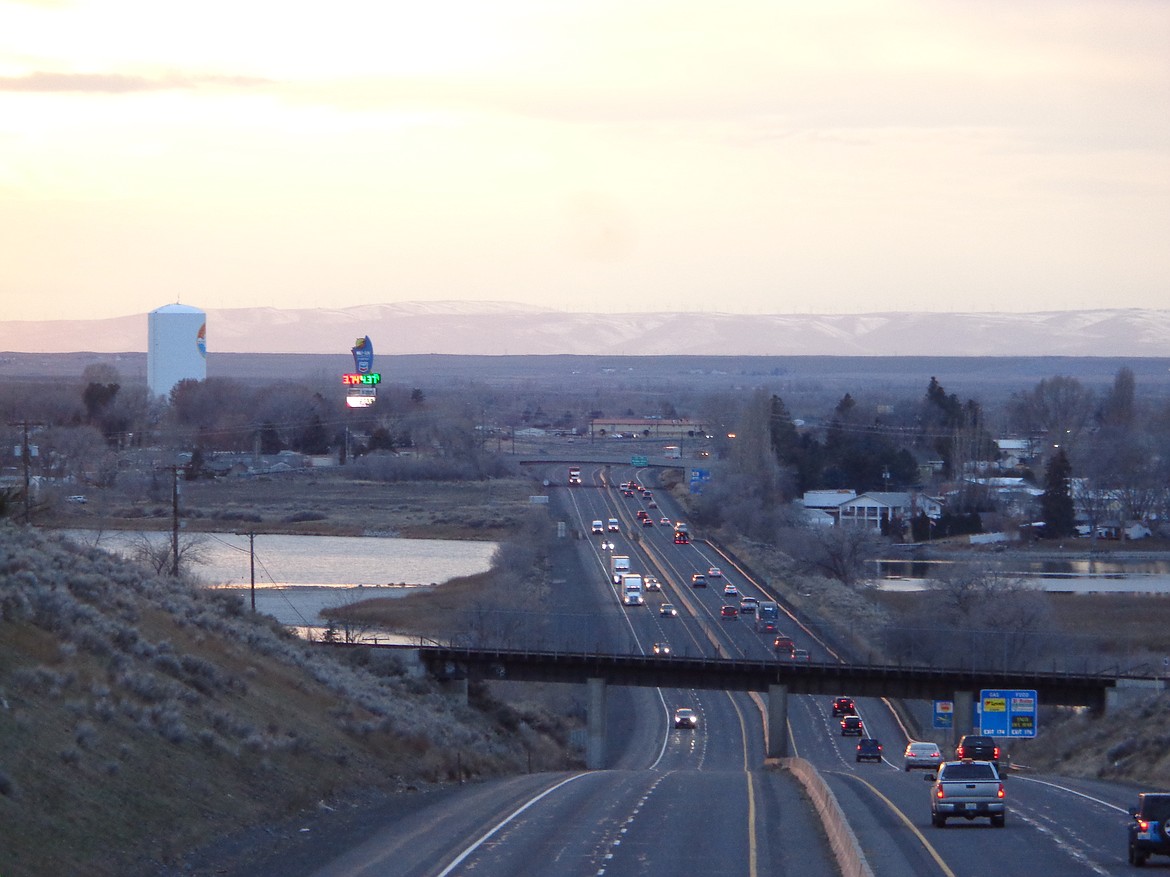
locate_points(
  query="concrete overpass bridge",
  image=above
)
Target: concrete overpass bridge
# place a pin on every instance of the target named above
(776, 679)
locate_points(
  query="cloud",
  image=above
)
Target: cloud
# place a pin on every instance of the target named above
(115, 83)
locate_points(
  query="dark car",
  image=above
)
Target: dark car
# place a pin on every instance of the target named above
(869, 749)
(729, 611)
(978, 748)
(1149, 829)
(852, 726)
(698, 580)
(844, 706)
(686, 718)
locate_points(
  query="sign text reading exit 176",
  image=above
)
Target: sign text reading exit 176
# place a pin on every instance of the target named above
(357, 380)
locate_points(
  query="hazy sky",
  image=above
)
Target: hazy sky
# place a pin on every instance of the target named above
(585, 155)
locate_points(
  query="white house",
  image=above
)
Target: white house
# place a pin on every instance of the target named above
(875, 509)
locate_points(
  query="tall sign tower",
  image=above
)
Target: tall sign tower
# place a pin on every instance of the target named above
(361, 385)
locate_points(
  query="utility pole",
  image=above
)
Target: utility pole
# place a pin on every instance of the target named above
(252, 564)
(26, 460)
(251, 534)
(175, 521)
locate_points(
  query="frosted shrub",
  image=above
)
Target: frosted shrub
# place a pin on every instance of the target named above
(40, 679)
(88, 586)
(85, 735)
(14, 604)
(169, 724)
(103, 709)
(145, 686)
(90, 639)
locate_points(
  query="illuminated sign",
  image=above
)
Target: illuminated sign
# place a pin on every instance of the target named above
(361, 380)
(361, 397)
(363, 355)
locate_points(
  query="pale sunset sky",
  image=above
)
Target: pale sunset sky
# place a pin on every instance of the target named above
(584, 155)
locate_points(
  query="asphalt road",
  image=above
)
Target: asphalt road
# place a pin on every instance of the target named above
(702, 801)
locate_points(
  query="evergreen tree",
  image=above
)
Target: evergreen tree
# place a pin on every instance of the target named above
(270, 442)
(1056, 503)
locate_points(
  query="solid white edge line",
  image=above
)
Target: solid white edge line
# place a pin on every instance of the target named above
(471, 849)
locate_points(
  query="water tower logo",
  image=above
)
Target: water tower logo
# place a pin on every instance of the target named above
(201, 341)
(363, 355)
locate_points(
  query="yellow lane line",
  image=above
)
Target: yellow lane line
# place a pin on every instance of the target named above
(906, 819)
(753, 852)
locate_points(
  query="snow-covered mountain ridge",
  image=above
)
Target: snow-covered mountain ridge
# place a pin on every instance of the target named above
(500, 328)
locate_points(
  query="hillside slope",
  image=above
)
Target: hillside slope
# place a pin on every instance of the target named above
(141, 717)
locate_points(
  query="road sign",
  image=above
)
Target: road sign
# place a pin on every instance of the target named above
(698, 477)
(1007, 712)
(639, 462)
(944, 714)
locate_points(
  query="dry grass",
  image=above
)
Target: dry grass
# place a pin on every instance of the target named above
(326, 502)
(140, 717)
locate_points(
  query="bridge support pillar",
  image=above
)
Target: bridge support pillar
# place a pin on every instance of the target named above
(777, 721)
(964, 720)
(595, 724)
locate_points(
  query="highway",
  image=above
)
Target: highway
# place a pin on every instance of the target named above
(704, 801)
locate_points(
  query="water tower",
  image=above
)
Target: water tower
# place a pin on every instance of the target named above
(176, 347)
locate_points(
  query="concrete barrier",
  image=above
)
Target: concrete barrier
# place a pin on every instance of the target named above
(843, 842)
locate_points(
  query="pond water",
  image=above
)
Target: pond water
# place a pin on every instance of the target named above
(1115, 573)
(298, 576)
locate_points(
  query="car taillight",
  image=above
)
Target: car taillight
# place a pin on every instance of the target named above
(961, 753)
(999, 794)
(996, 753)
(1143, 825)
(939, 793)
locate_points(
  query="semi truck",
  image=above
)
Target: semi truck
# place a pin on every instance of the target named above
(632, 589)
(619, 565)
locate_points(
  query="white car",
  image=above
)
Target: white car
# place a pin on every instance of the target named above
(714, 572)
(598, 527)
(667, 610)
(730, 590)
(613, 525)
(922, 755)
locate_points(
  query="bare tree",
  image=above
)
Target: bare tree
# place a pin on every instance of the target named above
(1060, 408)
(975, 617)
(156, 553)
(839, 552)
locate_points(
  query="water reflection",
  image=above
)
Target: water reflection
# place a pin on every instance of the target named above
(298, 576)
(1117, 574)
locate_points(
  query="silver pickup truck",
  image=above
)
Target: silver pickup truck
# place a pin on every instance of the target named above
(969, 789)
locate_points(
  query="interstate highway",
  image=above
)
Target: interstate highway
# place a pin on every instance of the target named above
(703, 801)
